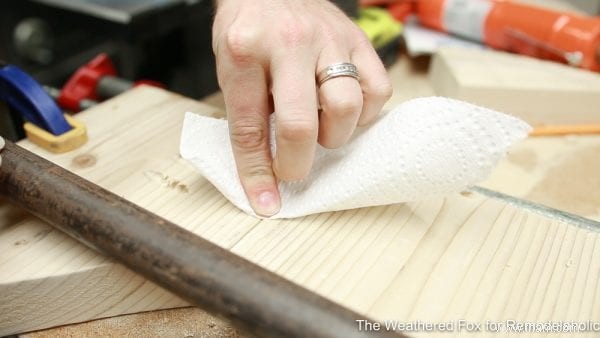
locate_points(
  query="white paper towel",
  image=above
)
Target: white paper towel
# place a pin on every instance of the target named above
(424, 147)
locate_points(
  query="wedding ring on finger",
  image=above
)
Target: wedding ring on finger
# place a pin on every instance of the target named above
(337, 70)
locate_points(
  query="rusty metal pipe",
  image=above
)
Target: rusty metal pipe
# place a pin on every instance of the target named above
(189, 266)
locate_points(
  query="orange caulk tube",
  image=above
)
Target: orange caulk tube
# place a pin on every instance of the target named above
(517, 27)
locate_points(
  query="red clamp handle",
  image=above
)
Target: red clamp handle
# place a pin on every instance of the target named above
(82, 85)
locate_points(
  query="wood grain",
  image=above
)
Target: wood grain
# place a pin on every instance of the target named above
(466, 256)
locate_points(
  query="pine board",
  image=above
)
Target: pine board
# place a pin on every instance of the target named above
(467, 256)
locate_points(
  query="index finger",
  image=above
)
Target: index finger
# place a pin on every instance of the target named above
(245, 92)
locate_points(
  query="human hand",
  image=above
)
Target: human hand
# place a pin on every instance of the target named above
(268, 54)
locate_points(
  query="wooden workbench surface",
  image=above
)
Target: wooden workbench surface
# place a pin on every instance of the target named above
(467, 256)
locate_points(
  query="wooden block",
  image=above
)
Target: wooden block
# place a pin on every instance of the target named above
(467, 256)
(540, 92)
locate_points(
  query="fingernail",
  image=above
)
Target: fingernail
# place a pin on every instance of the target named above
(267, 204)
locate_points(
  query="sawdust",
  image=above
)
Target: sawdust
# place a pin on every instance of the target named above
(166, 180)
(572, 185)
(182, 322)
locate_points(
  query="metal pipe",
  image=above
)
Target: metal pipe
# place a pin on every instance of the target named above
(191, 267)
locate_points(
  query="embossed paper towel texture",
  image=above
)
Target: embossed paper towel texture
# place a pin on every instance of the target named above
(424, 147)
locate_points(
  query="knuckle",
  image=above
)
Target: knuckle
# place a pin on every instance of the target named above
(359, 41)
(297, 131)
(382, 91)
(296, 34)
(256, 169)
(344, 107)
(241, 43)
(329, 35)
(247, 136)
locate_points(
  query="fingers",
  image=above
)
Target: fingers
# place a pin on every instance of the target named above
(375, 83)
(296, 114)
(257, 45)
(341, 103)
(244, 86)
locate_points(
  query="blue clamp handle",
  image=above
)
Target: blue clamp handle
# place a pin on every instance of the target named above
(28, 98)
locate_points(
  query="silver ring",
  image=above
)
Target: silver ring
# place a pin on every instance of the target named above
(337, 70)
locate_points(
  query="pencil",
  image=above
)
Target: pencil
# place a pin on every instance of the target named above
(568, 129)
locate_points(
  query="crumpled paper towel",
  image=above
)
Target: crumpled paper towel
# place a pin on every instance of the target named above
(424, 147)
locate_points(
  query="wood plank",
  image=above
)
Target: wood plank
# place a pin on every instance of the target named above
(540, 92)
(466, 256)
